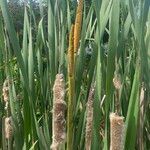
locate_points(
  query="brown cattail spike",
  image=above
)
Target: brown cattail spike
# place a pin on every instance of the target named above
(117, 131)
(89, 123)
(59, 107)
(8, 128)
(78, 23)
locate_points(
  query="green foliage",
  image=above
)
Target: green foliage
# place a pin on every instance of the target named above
(32, 58)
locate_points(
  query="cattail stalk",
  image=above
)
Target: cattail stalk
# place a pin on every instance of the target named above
(59, 107)
(71, 82)
(78, 24)
(141, 119)
(117, 131)
(89, 123)
(117, 85)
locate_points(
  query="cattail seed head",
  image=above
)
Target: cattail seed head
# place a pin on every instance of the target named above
(78, 23)
(59, 107)
(8, 128)
(117, 131)
(89, 123)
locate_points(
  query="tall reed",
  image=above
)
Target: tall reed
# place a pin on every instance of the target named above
(71, 89)
(113, 33)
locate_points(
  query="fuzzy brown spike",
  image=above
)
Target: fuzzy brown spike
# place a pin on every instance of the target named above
(59, 107)
(78, 24)
(89, 123)
(8, 128)
(117, 131)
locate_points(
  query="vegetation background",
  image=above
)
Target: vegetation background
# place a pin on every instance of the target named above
(110, 70)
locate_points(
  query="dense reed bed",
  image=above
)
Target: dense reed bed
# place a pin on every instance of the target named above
(76, 83)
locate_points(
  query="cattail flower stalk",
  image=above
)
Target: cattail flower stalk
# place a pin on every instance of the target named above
(117, 84)
(117, 131)
(59, 107)
(141, 118)
(78, 24)
(89, 123)
(71, 82)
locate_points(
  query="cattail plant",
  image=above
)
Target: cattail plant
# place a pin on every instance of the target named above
(78, 25)
(89, 123)
(111, 40)
(59, 107)
(71, 82)
(8, 128)
(117, 131)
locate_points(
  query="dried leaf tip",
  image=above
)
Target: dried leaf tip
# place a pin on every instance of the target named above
(117, 131)
(59, 107)
(89, 123)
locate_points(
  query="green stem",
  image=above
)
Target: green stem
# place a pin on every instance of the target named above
(70, 113)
